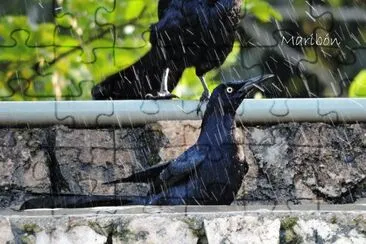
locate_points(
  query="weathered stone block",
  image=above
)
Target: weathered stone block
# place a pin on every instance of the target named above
(88, 138)
(242, 229)
(320, 231)
(174, 133)
(7, 138)
(87, 177)
(23, 160)
(155, 230)
(192, 130)
(287, 162)
(258, 136)
(6, 234)
(77, 234)
(307, 135)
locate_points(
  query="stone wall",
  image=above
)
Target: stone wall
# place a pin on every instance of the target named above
(295, 162)
(290, 166)
(186, 225)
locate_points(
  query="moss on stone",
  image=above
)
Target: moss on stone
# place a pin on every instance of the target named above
(27, 239)
(360, 223)
(98, 228)
(333, 220)
(31, 228)
(287, 233)
(197, 229)
(124, 235)
(289, 222)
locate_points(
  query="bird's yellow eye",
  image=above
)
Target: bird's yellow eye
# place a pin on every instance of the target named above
(229, 89)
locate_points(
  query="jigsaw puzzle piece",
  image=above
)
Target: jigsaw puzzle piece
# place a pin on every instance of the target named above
(75, 29)
(57, 87)
(307, 48)
(66, 114)
(27, 40)
(24, 53)
(14, 88)
(338, 43)
(352, 110)
(51, 86)
(126, 11)
(127, 22)
(22, 47)
(109, 31)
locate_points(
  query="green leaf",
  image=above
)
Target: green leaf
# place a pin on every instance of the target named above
(262, 10)
(358, 85)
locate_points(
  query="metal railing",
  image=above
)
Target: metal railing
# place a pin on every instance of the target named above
(134, 112)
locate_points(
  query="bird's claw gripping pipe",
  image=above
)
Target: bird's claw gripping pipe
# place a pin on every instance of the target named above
(163, 93)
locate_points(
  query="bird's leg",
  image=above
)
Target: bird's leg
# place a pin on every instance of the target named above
(205, 95)
(163, 93)
(206, 92)
(164, 84)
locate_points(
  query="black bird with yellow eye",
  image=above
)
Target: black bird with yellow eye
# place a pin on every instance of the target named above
(210, 172)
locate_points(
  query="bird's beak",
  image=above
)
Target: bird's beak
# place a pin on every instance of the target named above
(254, 82)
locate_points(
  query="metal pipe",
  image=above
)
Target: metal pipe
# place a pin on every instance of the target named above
(134, 112)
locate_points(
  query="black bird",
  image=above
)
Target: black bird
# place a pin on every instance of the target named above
(138, 80)
(189, 33)
(209, 172)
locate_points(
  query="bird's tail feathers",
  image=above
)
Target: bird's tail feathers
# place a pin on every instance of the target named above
(82, 201)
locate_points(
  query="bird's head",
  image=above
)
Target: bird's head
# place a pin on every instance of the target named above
(227, 97)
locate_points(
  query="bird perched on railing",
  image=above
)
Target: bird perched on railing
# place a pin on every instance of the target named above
(189, 33)
(209, 172)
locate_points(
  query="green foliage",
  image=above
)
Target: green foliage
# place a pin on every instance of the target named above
(358, 86)
(335, 3)
(63, 56)
(262, 10)
(63, 59)
(288, 234)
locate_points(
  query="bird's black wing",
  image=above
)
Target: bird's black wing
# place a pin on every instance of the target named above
(162, 6)
(171, 24)
(169, 172)
(144, 176)
(183, 165)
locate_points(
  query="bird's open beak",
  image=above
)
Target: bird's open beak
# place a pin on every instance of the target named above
(254, 82)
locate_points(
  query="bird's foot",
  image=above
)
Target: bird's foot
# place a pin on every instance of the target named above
(204, 98)
(161, 96)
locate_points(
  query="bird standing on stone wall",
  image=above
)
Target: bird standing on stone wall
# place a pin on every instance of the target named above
(189, 33)
(209, 172)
